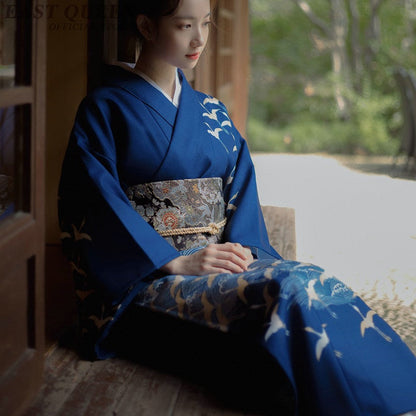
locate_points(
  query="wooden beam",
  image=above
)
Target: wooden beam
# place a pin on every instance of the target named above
(16, 96)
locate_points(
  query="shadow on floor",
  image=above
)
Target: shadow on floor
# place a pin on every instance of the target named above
(233, 369)
(379, 165)
(194, 367)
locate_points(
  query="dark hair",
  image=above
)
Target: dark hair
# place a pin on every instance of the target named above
(154, 9)
(130, 38)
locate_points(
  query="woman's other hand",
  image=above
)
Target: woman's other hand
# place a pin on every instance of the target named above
(214, 258)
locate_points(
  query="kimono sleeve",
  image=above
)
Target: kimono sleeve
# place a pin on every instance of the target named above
(118, 248)
(244, 215)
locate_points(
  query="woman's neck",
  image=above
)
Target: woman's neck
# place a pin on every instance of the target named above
(162, 74)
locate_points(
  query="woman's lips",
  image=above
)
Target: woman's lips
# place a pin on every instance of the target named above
(193, 56)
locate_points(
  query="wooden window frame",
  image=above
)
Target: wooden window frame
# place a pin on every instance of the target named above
(22, 233)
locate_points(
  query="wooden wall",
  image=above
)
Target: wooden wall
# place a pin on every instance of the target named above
(66, 85)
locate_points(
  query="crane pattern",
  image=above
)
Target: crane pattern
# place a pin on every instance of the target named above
(261, 298)
(264, 297)
(217, 121)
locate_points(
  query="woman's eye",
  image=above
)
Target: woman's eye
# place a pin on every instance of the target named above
(207, 23)
(185, 26)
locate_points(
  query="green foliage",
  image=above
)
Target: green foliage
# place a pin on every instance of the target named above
(292, 104)
(279, 51)
(301, 136)
(372, 116)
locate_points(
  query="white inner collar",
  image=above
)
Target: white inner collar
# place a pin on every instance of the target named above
(178, 87)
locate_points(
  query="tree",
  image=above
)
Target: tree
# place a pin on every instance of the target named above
(322, 72)
(341, 34)
(410, 6)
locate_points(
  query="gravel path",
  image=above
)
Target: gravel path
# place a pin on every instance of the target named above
(358, 225)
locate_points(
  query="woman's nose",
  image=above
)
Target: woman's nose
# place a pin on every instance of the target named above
(198, 39)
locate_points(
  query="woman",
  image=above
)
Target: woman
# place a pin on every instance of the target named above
(159, 209)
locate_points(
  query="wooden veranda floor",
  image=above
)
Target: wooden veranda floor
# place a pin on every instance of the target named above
(203, 376)
(118, 387)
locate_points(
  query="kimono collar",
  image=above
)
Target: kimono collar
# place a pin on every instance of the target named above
(141, 89)
(178, 87)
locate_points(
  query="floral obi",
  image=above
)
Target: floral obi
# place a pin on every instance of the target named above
(188, 213)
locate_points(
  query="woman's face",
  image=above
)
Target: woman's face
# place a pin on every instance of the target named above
(179, 39)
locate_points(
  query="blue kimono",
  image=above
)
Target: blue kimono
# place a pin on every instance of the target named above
(340, 357)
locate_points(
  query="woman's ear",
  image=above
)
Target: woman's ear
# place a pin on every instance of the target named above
(146, 27)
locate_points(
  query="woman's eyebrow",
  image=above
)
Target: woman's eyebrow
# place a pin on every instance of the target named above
(191, 17)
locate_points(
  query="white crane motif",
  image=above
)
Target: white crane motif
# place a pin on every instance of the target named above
(211, 114)
(368, 322)
(226, 123)
(211, 100)
(312, 295)
(322, 342)
(276, 324)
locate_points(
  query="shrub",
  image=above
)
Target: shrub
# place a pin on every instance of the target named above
(364, 136)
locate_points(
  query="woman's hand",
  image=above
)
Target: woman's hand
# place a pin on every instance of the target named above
(214, 258)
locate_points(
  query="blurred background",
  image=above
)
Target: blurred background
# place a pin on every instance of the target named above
(326, 75)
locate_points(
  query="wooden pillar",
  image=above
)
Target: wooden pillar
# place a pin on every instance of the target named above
(223, 70)
(67, 42)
